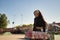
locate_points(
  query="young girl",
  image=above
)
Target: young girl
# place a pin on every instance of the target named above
(39, 24)
(39, 21)
(39, 29)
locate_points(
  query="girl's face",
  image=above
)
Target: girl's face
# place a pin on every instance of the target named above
(36, 13)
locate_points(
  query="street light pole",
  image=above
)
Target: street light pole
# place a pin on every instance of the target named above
(21, 19)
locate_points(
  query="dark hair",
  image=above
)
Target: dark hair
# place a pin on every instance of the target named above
(41, 20)
(40, 17)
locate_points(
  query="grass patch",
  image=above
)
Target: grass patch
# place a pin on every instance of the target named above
(7, 33)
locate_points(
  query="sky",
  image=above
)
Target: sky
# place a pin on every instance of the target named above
(21, 11)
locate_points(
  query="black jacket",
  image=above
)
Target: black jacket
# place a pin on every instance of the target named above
(38, 23)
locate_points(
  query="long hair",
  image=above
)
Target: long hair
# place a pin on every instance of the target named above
(41, 19)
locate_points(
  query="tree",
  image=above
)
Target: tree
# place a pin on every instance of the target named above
(3, 21)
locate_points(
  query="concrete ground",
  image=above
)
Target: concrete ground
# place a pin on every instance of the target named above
(12, 37)
(57, 37)
(19, 37)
